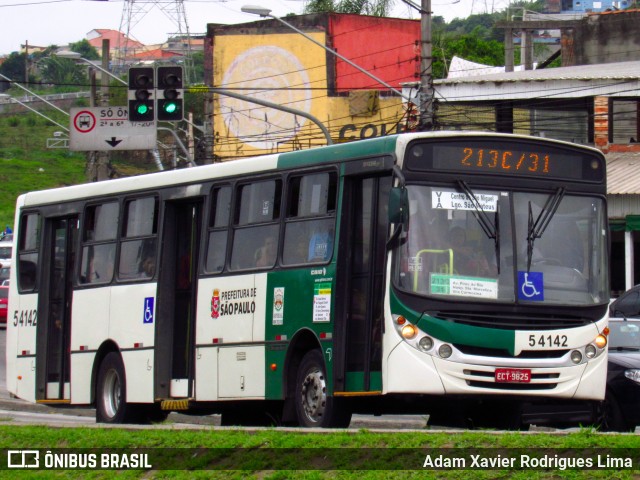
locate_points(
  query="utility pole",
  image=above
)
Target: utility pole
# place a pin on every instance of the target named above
(427, 120)
(26, 62)
(99, 164)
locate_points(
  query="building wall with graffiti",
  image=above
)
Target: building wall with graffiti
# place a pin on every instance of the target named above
(271, 62)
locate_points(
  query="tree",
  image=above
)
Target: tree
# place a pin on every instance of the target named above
(198, 67)
(84, 48)
(376, 8)
(64, 73)
(12, 67)
(468, 46)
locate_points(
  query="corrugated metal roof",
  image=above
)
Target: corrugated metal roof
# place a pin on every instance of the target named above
(609, 71)
(623, 173)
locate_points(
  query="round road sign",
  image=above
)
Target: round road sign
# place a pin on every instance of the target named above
(84, 121)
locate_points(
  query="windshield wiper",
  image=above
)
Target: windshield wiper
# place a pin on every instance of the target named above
(536, 229)
(491, 229)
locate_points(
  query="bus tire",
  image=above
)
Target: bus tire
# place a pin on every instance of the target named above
(111, 391)
(314, 408)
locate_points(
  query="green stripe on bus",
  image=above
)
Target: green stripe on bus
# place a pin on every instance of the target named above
(337, 153)
(450, 332)
(457, 333)
(355, 382)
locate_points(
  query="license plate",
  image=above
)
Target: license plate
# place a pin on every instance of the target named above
(512, 375)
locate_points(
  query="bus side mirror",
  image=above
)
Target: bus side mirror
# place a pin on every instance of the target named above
(399, 206)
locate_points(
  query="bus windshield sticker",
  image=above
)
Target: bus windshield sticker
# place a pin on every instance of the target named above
(148, 310)
(322, 302)
(531, 286)
(278, 306)
(449, 200)
(415, 264)
(464, 286)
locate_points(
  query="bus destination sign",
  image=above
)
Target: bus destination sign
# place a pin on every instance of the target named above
(510, 158)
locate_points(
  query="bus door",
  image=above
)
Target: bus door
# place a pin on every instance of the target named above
(54, 310)
(359, 314)
(177, 294)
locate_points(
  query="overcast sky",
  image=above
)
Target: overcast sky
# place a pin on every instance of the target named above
(59, 22)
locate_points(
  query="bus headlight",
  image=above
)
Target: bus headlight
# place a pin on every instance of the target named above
(590, 350)
(416, 338)
(576, 356)
(409, 331)
(445, 350)
(425, 343)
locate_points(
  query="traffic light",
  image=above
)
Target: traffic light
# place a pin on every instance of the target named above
(170, 101)
(141, 94)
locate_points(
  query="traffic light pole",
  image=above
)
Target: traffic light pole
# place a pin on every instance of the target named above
(99, 166)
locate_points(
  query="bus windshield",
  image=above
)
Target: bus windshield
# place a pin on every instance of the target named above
(470, 244)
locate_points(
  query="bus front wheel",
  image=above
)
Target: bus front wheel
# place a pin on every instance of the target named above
(111, 391)
(314, 408)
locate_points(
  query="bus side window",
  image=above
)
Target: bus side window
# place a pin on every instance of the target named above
(28, 246)
(218, 229)
(256, 225)
(139, 238)
(310, 221)
(99, 243)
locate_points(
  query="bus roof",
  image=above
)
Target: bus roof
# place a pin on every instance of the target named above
(300, 158)
(297, 159)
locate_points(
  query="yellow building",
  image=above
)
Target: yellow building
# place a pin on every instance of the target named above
(271, 62)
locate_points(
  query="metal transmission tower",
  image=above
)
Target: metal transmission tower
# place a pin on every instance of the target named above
(135, 10)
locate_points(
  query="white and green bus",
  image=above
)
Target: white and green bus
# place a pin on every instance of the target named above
(383, 275)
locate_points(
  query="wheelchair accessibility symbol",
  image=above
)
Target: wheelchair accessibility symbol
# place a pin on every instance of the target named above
(530, 286)
(148, 310)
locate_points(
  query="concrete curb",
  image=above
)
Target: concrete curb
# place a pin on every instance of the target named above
(15, 404)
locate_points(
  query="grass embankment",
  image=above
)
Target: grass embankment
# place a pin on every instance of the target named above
(344, 455)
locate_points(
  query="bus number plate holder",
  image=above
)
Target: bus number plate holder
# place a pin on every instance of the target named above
(512, 375)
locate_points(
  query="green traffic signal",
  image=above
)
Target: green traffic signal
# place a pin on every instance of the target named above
(170, 93)
(170, 107)
(140, 94)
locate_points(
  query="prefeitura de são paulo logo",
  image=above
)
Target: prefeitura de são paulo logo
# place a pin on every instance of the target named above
(278, 301)
(215, 304)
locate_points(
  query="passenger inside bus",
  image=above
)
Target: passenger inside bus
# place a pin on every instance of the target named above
(467, 260)
(149, 266)
(320, 246)
(265, 256)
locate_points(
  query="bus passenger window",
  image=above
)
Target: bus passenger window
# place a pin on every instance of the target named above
(28, 245)
(218, 229)
(98, 263)
(99, 243)
(257, 214)
(309, 230)
(138, 248)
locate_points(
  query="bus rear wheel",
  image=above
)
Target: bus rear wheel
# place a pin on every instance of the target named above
(111, 391)
(314, 408)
